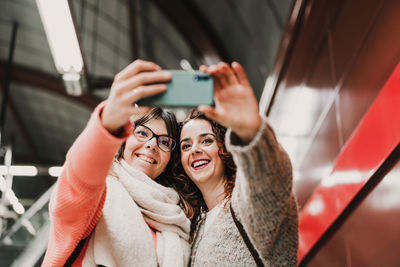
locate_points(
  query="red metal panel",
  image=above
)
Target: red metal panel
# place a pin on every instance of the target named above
(370, 236)
(371, 143)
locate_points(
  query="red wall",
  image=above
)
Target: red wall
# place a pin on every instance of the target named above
(336, 110)
(372, 142)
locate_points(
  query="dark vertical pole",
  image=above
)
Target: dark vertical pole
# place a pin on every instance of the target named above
(7, 80)
(94, 36)
(82, 18)
(134, 31)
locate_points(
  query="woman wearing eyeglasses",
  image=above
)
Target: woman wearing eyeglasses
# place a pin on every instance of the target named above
(122, 210)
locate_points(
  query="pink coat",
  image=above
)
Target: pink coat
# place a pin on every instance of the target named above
(77, 201)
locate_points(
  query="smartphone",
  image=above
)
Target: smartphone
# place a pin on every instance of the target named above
(186, 89)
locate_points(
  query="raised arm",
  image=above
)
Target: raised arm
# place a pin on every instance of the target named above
(79, 196)
(262, 197)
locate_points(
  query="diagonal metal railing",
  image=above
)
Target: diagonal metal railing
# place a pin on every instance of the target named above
(26, 240)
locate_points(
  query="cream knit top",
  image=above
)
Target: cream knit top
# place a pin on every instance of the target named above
(263, 202)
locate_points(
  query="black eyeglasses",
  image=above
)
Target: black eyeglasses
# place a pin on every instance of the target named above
(144, 134)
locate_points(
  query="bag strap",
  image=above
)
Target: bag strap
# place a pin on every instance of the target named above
(72, 258)
(246, 240)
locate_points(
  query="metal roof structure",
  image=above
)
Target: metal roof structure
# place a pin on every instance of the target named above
(42, 120)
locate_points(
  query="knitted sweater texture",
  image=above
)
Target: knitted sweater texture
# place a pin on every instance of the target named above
(263, 202)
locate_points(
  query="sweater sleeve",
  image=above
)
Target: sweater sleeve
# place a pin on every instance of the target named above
(262, 198)
(78, 198)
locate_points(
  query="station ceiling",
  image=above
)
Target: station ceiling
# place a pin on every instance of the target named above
(42, 121)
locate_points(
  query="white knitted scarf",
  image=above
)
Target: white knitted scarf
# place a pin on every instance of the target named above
(122, 236)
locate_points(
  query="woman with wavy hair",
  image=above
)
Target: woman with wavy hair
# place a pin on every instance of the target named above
(238, 182)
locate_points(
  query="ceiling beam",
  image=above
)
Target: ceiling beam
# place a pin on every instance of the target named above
(44, 81)
(193, 28)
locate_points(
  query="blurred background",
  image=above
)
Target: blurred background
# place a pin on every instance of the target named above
(326, 73)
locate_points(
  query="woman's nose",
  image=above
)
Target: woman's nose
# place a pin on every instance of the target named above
(152, 143)
(196, 148)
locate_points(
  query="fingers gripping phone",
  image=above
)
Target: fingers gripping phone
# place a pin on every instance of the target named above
(186, 89)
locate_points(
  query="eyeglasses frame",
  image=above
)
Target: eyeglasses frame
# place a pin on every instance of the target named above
(156, 136)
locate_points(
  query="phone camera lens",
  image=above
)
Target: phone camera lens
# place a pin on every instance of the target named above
(200, 78)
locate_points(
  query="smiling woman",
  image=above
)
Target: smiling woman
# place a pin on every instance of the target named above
(121, 209)
(210, 167)
(245, 216)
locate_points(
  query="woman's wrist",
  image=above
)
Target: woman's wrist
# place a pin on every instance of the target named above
(118, 133)
(114, 130)
(246, 131)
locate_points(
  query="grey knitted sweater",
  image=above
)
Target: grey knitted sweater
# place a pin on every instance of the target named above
(263, 202)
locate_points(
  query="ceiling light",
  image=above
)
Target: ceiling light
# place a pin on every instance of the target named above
(63, 41)
(13, 200)
(55, 171)
(185, 65)
(10, 196)
(3, 184)
(19, 170)
(18, 208)
(74, 83)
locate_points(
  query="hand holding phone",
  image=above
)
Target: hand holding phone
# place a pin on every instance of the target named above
(186, 89)
(136, 81)
(236, 104)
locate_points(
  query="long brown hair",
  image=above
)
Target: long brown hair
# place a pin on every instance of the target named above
(194, 200)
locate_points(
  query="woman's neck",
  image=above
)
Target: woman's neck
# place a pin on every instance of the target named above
(213, 192)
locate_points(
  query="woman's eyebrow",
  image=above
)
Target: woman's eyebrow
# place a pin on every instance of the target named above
(205, 134)
(200, 135)
(185, 139)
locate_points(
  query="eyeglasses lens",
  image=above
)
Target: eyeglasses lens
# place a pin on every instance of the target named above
(144, 134)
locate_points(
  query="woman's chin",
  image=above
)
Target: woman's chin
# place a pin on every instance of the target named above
(144, 167)
(200, 178)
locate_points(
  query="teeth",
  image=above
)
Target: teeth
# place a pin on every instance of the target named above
(147, 159)
(199, 163)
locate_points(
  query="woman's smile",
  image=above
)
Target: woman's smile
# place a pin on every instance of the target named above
(200, 164)
(146, 158)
